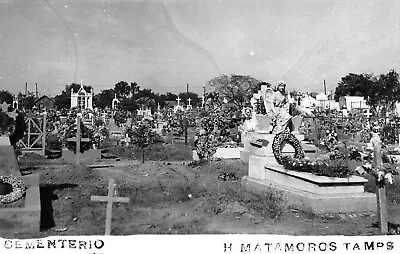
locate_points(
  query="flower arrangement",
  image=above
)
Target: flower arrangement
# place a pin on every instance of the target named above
(18, 189)
(286, 137)
(318, 167)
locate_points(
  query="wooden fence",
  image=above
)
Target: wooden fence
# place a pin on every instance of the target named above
(34, 139)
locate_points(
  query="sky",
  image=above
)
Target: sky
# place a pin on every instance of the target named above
(166, 44)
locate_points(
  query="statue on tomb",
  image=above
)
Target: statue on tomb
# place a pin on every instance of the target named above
(277, 105)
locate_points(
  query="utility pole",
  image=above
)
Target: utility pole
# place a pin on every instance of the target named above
(26, 88)
(324, 87)
(36, 91)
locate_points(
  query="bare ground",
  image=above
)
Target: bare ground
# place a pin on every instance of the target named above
(175, 198)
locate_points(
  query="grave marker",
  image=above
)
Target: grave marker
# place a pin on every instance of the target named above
(78, 139)
(110, 199)
(381, 190)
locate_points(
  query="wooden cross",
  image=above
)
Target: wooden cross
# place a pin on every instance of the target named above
(178, 100)
(78, 139)
(381, 190)
(109, 199)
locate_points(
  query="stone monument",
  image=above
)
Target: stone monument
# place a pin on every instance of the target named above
(19, 195)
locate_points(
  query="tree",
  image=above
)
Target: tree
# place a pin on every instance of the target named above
(143, 137)
(104, 98)
(122, 89)
(380, 92)
(356, 85)
(236, 89)
(6, 96)
(135, 88)
(128, 104)
(193, 96)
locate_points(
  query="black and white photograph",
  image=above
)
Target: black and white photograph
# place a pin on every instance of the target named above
(230, 126)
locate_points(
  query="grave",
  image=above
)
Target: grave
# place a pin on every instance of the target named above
(23, 215)
(109, 199)
(312, 193)
(305, 191)
(88, 156)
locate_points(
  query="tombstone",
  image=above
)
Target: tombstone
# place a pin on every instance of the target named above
(22, 215)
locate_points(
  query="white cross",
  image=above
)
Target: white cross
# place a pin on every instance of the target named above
(178, 100)
(189, 100)
(109, 199)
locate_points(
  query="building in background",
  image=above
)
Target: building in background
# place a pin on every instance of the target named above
(82, 99)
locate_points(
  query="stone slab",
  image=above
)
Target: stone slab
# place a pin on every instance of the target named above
(314, 202)
(87, 157)
(24, 219)
(312, 183)
(228, 153)
(8, 161)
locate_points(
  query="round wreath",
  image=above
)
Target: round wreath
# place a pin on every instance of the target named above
(286, 137)
(85, 133)
(18, 188)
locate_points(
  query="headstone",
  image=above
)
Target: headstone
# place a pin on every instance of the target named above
(110, 199)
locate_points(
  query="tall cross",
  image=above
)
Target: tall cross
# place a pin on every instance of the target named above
(78, 139)
(109, 199)
(178, 100)
(189, 100)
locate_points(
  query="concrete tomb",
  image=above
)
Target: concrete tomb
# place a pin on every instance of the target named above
(23, 215)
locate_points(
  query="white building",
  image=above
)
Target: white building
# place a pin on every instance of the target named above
(82, 99)
(323, 101)
(144, 112)
(353, 102)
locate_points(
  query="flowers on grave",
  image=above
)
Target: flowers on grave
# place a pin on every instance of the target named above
(321, 167)
(18, 189)
(175, 124)
(330, 141)
(280, 140)
(100, 134)
(86, 133)
(120, 118)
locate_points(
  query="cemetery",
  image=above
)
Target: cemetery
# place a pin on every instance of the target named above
(267, 161)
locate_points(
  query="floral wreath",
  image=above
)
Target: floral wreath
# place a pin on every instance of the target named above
(289, 138)
(18, 188)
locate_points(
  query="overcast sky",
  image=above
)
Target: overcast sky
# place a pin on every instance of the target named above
(165, 44)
